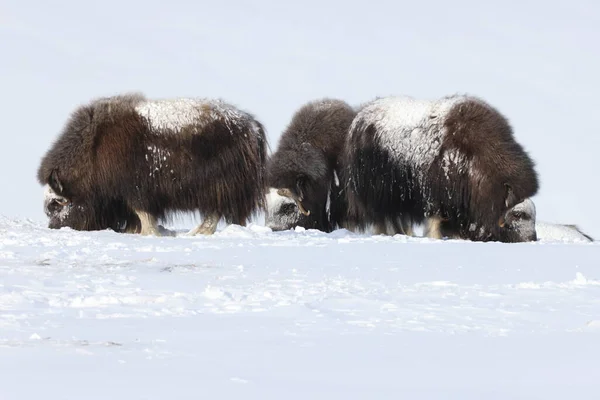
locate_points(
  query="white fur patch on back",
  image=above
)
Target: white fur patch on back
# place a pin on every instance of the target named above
(411, 130)
(323, 105)
(175, 114)
(170, 114)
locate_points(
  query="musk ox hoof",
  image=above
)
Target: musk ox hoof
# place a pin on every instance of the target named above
(149, 226)
(208, 227)
(150, 232)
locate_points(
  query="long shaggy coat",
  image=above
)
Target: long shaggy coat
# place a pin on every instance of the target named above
(452, 162)
(305, 168)
(127, 160)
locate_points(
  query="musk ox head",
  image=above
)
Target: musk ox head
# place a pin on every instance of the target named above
(60, 209)
(88, 215)
(61, 212)
(301, 177)
(282, 212)
(518, 223)
(515, 224)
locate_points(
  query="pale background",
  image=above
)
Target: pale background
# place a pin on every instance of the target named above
(537, 62)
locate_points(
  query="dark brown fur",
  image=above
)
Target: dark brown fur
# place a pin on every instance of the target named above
(103, 163)
(470, 201)
(307, 158)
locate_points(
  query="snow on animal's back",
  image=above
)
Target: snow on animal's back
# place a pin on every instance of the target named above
(410, 129)
(173, 115)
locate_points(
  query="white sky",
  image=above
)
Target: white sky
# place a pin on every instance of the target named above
(537, 62)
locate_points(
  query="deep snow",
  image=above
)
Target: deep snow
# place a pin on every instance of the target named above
(250, 313)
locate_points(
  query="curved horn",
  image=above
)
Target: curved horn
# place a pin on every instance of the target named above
(50, 195)
(62, 201)
(288, 193)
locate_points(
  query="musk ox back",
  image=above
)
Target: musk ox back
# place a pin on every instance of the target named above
(304, 188)
(452, 163)
(123, 162)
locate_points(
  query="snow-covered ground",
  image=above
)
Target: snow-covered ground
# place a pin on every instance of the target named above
(254, 314)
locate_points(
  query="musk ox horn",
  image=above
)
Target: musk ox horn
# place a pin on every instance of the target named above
(288, 193)
(51, 195)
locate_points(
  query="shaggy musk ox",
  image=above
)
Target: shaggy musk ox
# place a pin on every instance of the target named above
(452, 163)
(123, 162)
(304, 186)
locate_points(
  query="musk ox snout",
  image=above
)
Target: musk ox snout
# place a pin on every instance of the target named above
(289, 193)
(54, 204)
(62, 212)
(282, 212)
(518, 223)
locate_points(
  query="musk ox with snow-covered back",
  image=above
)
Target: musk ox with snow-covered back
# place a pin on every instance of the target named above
(123, 162)
(304, 186)
(452, 163)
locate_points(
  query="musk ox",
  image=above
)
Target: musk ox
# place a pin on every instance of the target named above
(124, 162)
(304, 187)
(452, 163)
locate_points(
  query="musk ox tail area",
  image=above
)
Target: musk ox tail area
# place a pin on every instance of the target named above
(154, 158)
(452, 163)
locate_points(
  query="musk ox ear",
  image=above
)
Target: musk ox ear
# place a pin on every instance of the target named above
(509, 198)
(54, 182)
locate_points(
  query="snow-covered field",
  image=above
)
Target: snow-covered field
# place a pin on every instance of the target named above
(249, 313)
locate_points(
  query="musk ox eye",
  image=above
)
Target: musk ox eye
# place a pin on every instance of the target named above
(288, 208)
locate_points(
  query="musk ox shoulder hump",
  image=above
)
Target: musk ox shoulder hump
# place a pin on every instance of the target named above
(172, 115)
(411, 130)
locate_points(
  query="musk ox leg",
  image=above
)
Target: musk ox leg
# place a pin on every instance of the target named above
(131, 229)
(349, 226)
(241, 221)
(408, 230)
(391, 227)
(433, 227)
(380, 228)
(208, 226)
(149, 226)
(404, 226)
